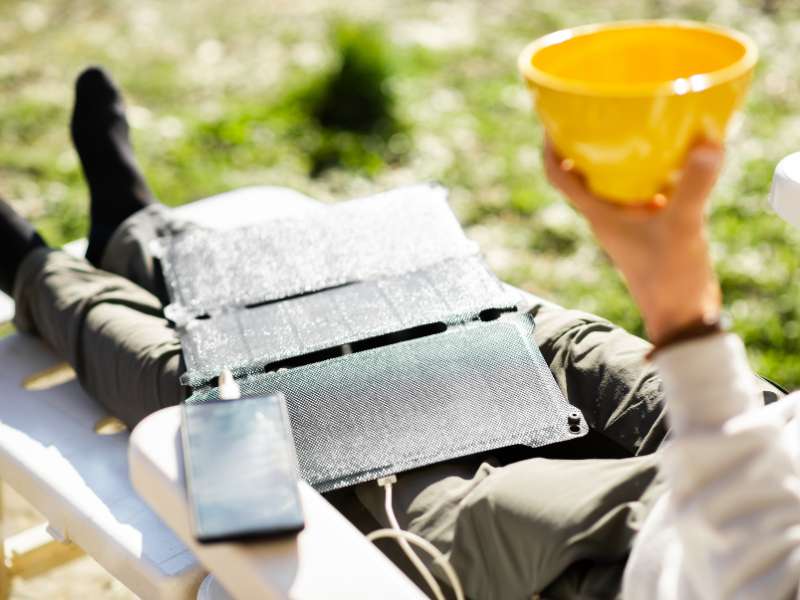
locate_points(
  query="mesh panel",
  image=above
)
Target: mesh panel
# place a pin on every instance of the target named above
(399, 231)
(248, 339)
(350, 277)
(476, 387)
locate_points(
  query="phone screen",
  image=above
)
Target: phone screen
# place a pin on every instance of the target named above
(241, 471)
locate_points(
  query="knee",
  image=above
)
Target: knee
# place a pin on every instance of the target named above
(505, 541)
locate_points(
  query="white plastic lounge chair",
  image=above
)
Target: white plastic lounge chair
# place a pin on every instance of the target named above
(78, 479)
(784, 197)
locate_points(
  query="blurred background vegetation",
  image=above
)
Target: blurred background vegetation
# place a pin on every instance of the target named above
(344, 99)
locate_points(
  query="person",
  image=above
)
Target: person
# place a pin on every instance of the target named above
(729, 525)
(560, 523)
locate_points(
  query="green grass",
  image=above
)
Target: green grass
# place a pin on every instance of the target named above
(229, 94)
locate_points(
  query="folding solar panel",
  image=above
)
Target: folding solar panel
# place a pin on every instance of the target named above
(394, 344)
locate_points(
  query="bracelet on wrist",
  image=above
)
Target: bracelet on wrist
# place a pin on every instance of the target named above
(698, 328)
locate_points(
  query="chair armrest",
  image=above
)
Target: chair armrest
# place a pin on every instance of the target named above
(329, 559)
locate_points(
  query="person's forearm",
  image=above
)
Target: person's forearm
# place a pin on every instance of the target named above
(734, 487)
(661, 248)
(677, 290)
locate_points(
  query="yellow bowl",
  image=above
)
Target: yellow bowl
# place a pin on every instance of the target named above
(625, 101)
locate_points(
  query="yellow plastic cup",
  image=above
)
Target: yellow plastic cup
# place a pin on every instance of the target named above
(625, 101)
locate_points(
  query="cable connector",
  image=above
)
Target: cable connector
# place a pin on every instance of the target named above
(406, 538)
(388, 480)
(228, 388)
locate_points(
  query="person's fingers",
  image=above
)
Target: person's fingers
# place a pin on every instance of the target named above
(563, 177)
(647, 208)
(700, 172)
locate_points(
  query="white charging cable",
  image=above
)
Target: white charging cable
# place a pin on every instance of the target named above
(405, 538)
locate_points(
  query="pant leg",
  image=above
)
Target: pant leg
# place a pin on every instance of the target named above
(602, 370)
(129, 253)
(561, 527)
(109, 329)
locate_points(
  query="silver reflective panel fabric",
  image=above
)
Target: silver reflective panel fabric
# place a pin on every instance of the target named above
(393, 343)
(476, 387)
(248, 339)
(395, 232)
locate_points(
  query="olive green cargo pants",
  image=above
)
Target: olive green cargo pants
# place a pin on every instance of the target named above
(512, 525)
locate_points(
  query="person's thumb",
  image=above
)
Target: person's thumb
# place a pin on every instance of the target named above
(700, 171)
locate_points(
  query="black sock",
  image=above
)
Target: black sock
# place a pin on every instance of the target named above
(100, 134)
(17, 238)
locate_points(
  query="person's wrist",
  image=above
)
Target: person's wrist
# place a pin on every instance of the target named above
(663, 320)
(674, 285)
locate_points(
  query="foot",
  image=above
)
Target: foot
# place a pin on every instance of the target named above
(100, 133)
(17, 239)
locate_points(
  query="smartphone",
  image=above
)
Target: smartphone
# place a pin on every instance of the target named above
(241, 469)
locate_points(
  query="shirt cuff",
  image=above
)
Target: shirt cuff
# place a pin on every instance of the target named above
(706, 381)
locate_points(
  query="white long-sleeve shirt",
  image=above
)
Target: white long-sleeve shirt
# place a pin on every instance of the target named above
(730, 525)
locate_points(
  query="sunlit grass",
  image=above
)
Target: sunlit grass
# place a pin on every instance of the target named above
(229, 94)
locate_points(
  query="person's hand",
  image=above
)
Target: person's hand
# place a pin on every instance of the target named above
(661, 246)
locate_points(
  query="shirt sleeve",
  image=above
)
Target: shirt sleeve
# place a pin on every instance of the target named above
(732, 475)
